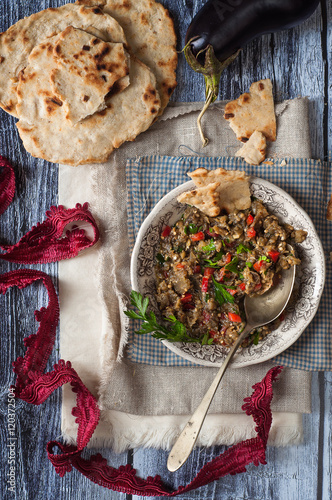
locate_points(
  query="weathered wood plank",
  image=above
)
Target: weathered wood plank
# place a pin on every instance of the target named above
(328, 99)
(37, 183)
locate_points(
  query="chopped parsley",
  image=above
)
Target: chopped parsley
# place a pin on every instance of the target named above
(222, 295)
(210, 247)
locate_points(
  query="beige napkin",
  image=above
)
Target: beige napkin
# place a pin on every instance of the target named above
(145, 405)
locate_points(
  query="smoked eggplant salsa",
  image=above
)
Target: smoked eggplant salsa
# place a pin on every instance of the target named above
(206, 265)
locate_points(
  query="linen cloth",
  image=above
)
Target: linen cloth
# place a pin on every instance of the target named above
(93, 326)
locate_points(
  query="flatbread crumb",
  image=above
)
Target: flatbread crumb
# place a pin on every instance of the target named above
(254, 151)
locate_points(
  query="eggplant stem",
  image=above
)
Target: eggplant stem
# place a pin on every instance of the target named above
(209, 98)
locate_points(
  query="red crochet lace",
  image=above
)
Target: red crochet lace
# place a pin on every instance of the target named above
(46, 243)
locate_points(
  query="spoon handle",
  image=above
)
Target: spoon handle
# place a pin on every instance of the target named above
(187, 439)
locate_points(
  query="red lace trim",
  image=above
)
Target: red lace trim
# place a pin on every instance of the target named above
(34, 386)
(7, 184)
(52, 240)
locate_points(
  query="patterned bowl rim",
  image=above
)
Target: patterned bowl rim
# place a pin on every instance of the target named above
(213, 355)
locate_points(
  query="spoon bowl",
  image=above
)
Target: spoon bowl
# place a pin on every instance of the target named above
(260, 310)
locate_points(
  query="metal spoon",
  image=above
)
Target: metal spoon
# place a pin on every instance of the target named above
(260, 310)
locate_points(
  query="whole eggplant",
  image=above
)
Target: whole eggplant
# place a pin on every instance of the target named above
(222, 27)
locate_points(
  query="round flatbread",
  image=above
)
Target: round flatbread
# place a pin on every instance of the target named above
(46, 130)
(19, 40)
(150, 33)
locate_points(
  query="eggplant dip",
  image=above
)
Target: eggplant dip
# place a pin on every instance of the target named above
(206, 265)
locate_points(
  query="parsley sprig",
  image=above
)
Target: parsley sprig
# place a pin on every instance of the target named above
(176, 332)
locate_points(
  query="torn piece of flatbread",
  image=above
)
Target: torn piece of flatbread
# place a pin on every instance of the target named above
(203, 177)
(253, 111)
(86, 70)
(205, 198)
(220, 194)
(254, 151)
(329, 209)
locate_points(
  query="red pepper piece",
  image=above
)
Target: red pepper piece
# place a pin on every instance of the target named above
(186, 298)
(258, 287)
(208, 271)
(258, 265)
(198, 236)
(250, 219)
(228, 258)
(205, 284)
(274, 255)
(251, 233)
(231, 291)
(213, 334)
(234, 317)
(242, 286)
(166, 232)
(179, 265)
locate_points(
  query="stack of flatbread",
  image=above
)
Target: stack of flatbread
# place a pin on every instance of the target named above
(253, 120)
(218, 190)
(84, 78)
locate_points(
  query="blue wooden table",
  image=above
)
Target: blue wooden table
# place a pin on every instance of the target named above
(299, 62)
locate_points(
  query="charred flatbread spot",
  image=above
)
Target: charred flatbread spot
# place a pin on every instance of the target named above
(153, 111)
(244, 139)
(97, 10)
(86, 98)
(113, 89)
(86, 47)
(57, 49)
(104, 78)
(228, 116)
(2, 59)
(144, 20)
(126, 5)
(261, 86)
(8, 108)
(55, 100)
(96, 41)
(245, 98)
(168, 89)
(102, 112)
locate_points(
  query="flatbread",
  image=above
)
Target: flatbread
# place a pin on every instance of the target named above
(203, 177)
(19, 40)
(86, 71)
(46, 131)
(150, 34)
(254, 151)
(225, 192)
(253, 111)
